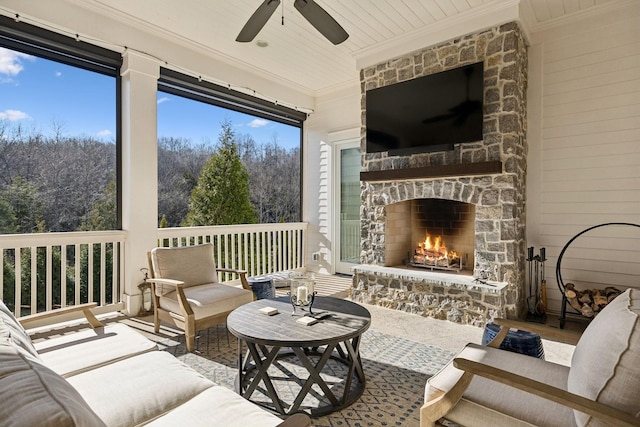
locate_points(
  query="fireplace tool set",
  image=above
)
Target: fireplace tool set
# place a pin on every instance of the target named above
(537, 300)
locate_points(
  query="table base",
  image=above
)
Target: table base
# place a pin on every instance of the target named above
(254, 366)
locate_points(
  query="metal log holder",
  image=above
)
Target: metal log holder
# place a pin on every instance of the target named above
(457, 267)
(561, 285)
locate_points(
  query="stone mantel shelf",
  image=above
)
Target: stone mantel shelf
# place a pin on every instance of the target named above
(467, 169)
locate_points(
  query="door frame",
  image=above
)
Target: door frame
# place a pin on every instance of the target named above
(338, 146)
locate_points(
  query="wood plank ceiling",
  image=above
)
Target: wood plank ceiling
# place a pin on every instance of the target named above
(297, 55)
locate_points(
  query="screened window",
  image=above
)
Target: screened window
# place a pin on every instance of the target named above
(59, 132)
(225, 158)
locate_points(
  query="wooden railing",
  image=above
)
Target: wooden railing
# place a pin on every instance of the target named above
(43, 271)
(40, 272)
(258, 248)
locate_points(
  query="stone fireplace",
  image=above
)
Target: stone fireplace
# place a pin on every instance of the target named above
(474, 196)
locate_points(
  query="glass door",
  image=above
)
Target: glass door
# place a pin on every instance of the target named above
(348, 206)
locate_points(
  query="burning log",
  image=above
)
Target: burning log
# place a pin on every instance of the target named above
(590, 301)
(435, 254)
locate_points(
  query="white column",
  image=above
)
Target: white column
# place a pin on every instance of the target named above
(139, 169)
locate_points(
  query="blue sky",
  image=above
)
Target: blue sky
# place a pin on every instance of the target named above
(40, 94)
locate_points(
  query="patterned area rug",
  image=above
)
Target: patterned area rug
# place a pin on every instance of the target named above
(396, 370)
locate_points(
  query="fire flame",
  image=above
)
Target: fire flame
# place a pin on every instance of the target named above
(436, 249)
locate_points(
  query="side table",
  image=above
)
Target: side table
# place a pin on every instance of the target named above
(270, 339)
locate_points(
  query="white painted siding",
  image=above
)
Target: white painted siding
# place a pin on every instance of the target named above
(584, 157)
(335, 114)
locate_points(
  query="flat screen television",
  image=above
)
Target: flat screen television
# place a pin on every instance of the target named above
(426, 114)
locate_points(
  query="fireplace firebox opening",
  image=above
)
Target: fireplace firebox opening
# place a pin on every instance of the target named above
(434, 234)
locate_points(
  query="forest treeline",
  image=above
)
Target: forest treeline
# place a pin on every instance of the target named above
(58, 183)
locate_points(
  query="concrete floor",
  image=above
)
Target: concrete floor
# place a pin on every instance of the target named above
(440, 333)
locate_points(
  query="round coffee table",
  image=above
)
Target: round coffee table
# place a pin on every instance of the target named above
(335, 337)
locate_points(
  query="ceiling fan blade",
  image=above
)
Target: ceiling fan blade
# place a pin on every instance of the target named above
(257, 20)
(321, 20)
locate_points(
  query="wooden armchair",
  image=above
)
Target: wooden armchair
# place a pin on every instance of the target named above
(487, 386)
(187, 292)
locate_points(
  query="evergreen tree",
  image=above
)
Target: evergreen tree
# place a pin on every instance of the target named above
(222, 194)
(26, 206)
(7, 218)
(103, 215)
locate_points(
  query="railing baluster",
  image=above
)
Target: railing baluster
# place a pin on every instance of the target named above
(49, 278)
(76, 267)
(116, 294)
(103, 277)
(245, 247)
(18, 281)
(236, 254)
(34, 280)
(90, 273)
(63, 275)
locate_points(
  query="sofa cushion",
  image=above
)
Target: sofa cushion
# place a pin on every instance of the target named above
(489, 403)
(209, 299)
(73, 353)
(229, 410)
(606, 362)
(137, 389)
(33, 395)
(193, 265)
(11, 329)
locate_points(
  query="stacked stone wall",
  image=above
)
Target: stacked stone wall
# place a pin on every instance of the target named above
(499, 198)
(457, 302)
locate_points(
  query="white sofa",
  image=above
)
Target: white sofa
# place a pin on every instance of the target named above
(111, 376)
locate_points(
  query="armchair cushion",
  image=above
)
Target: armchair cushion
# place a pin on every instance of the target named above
(606, 362)
(193, 265)
(208, 300)
(487, 402)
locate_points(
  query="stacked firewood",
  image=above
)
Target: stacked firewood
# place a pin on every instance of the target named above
(589, 302)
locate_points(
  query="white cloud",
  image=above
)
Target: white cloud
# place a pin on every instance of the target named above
(105, 132)
(258, 123)
(58, 74)
(163, 99)
(13, 115)
(11, 62)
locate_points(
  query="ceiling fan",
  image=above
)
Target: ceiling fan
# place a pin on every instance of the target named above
(309, 9)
